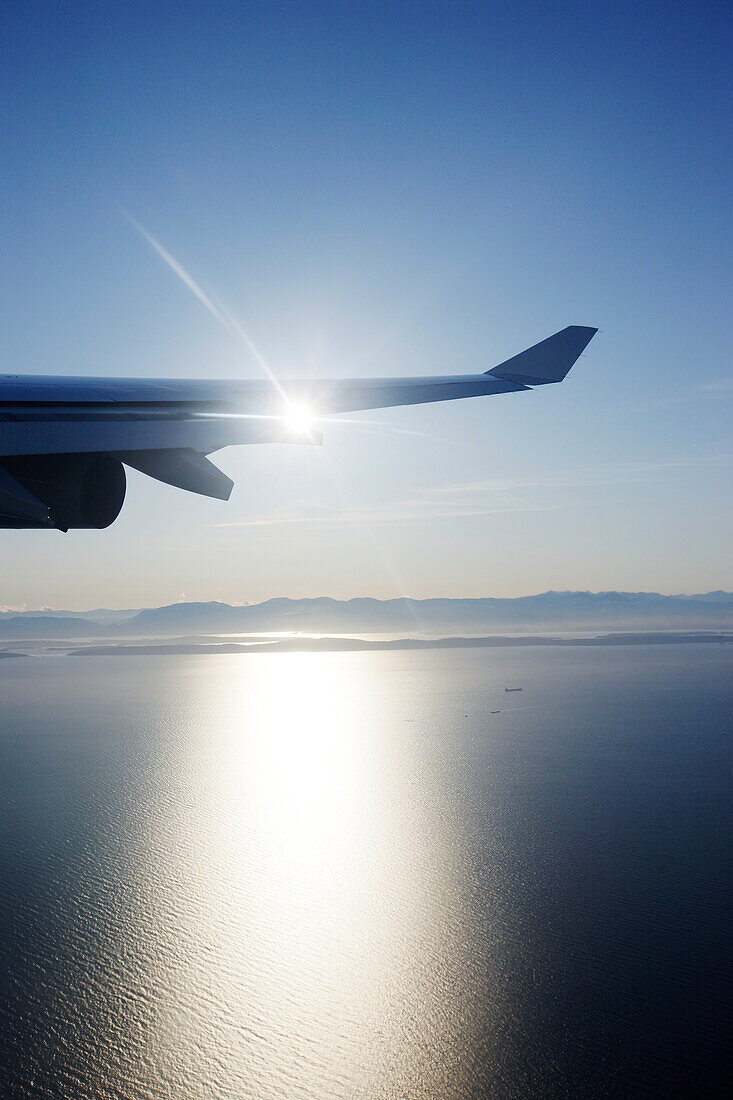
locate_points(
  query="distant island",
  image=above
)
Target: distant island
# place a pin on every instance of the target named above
(350, 645)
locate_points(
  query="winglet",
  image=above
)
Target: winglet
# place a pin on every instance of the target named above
(548, 361)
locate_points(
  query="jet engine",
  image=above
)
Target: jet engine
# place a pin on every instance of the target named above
(61, 491)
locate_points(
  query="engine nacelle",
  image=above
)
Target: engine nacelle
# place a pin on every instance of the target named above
(61, 491)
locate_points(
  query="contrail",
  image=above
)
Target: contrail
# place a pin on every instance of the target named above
(215, 307)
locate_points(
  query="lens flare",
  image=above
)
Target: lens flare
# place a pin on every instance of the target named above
(299, 419)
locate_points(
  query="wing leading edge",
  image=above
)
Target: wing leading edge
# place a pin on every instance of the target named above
(166, 428)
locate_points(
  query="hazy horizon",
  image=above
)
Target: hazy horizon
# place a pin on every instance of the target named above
(17, 608)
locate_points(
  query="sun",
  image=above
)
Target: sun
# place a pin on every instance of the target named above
(299, 419)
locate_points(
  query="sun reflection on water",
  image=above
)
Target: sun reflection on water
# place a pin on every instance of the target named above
(320, 896)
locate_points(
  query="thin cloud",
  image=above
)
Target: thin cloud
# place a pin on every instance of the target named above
(403, 513)
(723, 385)
(719, 387)
(615, 475)
(466, 500)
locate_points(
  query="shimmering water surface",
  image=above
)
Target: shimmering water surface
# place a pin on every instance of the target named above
(340, 875)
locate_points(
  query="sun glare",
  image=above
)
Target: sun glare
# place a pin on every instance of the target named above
(299, 419)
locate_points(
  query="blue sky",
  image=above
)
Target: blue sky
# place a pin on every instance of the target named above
(385, 189)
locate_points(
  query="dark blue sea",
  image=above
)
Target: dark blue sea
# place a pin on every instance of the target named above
(321, 875)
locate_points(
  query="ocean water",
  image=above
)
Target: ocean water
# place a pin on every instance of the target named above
(341, 875)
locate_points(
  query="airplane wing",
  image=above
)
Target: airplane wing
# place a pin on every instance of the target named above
(64, 441)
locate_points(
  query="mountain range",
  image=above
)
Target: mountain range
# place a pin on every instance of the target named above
(548, 611)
